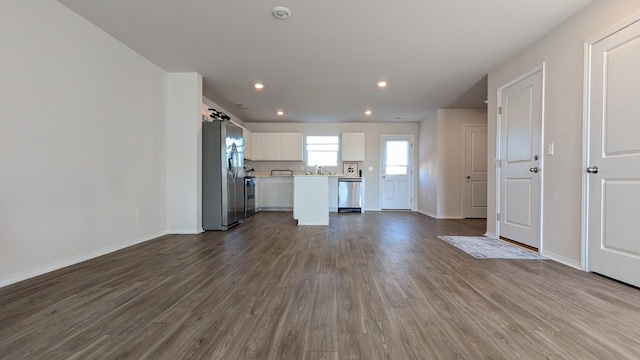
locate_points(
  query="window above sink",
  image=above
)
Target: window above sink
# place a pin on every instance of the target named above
(322, 150)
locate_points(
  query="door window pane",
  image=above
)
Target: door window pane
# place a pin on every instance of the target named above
(397, 157)
(396, 170)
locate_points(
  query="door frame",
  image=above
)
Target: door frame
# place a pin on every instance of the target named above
(412, 161)
(586, 133)
(538, 69)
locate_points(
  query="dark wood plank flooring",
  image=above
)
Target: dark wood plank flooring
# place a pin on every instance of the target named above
(378, 285)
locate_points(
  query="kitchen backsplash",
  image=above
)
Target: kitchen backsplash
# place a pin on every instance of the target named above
(297, 167)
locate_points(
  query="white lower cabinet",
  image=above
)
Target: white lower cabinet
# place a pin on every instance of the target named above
(275, 193)
(333, 194)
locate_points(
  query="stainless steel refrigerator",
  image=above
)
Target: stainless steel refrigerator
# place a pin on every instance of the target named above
(222, 175)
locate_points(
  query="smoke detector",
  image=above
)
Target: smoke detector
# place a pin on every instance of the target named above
(281, 12)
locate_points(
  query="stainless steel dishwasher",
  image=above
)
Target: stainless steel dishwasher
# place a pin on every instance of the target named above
(349, 194)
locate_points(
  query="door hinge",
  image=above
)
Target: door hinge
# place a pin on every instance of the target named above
(498, 216)
(499, 110)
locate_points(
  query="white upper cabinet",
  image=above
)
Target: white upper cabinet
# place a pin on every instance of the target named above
(278, 146)
(291, 146)
(352, 147)
(261, 142)
(249, 144)
(273, 146)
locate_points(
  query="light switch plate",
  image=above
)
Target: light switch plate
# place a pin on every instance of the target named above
(550, 149)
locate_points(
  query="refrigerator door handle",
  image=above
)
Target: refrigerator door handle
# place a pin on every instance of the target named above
(233, 162)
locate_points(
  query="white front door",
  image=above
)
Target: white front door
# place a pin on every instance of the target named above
(396, 172)
(520, 112)
(475, 164)
(614, 149)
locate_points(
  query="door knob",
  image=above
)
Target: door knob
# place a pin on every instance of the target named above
(593, 169)
(468, 177)
(534, 169)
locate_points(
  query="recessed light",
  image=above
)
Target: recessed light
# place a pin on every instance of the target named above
(281, 12)
(382, 84)
(368, 112)
(258, 86)
(280, 113)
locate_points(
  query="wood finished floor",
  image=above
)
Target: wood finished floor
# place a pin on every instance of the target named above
(369, 286)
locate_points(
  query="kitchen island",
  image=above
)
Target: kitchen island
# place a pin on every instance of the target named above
(311, 199)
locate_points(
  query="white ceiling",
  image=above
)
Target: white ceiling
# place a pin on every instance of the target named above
(322, 64)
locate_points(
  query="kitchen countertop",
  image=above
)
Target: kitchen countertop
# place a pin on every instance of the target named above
(327, 175)
(268, 175)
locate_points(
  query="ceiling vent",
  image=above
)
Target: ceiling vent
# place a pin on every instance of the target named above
(281, 12)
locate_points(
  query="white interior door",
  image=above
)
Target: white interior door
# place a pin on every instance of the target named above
(396, 172)
(519, 160)
(614, 148)
(475, 164)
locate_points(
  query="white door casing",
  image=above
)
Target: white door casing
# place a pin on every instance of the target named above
(519, 158)
(475, 183)
(613, 147)
(396, 172)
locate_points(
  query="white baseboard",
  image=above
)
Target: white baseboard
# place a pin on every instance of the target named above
(24, 275)
(284, 209)
(491, 235)
(184, 231)
(427, 214)
(561, 259)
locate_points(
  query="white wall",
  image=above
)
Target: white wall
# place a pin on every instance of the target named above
(82, 141)
(427, 166)
(373, 132)
(450, 163)
(441, 159)
(184, 153)
(562, 52)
